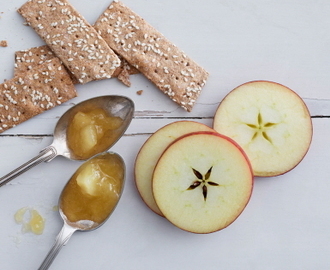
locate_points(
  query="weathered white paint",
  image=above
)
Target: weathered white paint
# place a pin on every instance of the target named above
(286, 224)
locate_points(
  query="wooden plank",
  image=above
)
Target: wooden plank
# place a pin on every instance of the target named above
(147, 121)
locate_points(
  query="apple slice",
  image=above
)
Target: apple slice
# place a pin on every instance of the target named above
(202, 182)
(270, 122)
(152, 150)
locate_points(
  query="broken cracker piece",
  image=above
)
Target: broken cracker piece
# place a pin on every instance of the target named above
(40, 89)
(123, 76)
(124, 65)
(174, 73)
(71, 38)
(123, 72)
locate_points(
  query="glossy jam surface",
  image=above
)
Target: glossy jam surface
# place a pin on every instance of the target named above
(30, 219)
(92, 131)
(94, 190)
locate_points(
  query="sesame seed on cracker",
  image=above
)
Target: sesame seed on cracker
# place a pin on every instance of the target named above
(23, 97)
(146, 49)
(71, 38)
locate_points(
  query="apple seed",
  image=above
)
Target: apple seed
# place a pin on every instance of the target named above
(202, 180)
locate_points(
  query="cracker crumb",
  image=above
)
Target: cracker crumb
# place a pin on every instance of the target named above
(3, 43)
(140, 92)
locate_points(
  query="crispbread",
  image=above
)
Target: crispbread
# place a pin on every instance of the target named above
(28, 59)
(152, 54)
(71, 38)
(41, 88)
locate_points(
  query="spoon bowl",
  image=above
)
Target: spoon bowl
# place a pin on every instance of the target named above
(76, 206)
(115, 106)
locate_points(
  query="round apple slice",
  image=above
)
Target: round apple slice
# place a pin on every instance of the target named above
(270, 122)
(151, 151)
(202, 182)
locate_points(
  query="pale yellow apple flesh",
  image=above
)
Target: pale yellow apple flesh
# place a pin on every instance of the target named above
(270, 122)
(152, 150)
(202, 182)
(89, 178)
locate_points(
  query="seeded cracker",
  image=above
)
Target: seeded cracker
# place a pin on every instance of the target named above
(28, 59)
(40, 89)
(152, 54)
(71, 38)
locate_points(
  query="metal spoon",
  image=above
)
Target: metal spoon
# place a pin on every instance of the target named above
(117, 106)
(81, 225)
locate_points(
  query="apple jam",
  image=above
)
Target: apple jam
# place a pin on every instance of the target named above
(94, 190)
(91, 131)
(30, 219)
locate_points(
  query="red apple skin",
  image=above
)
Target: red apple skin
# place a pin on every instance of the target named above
(247, 161)
(311, 124)
(135, 177)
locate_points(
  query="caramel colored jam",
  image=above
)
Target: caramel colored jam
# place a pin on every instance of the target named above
(92, 131)
(94, 190)
(34, 223)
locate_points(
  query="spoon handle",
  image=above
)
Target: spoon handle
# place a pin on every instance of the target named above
(61, 240)
(46, 154)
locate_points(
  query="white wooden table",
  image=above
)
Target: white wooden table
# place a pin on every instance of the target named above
(286, 225)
